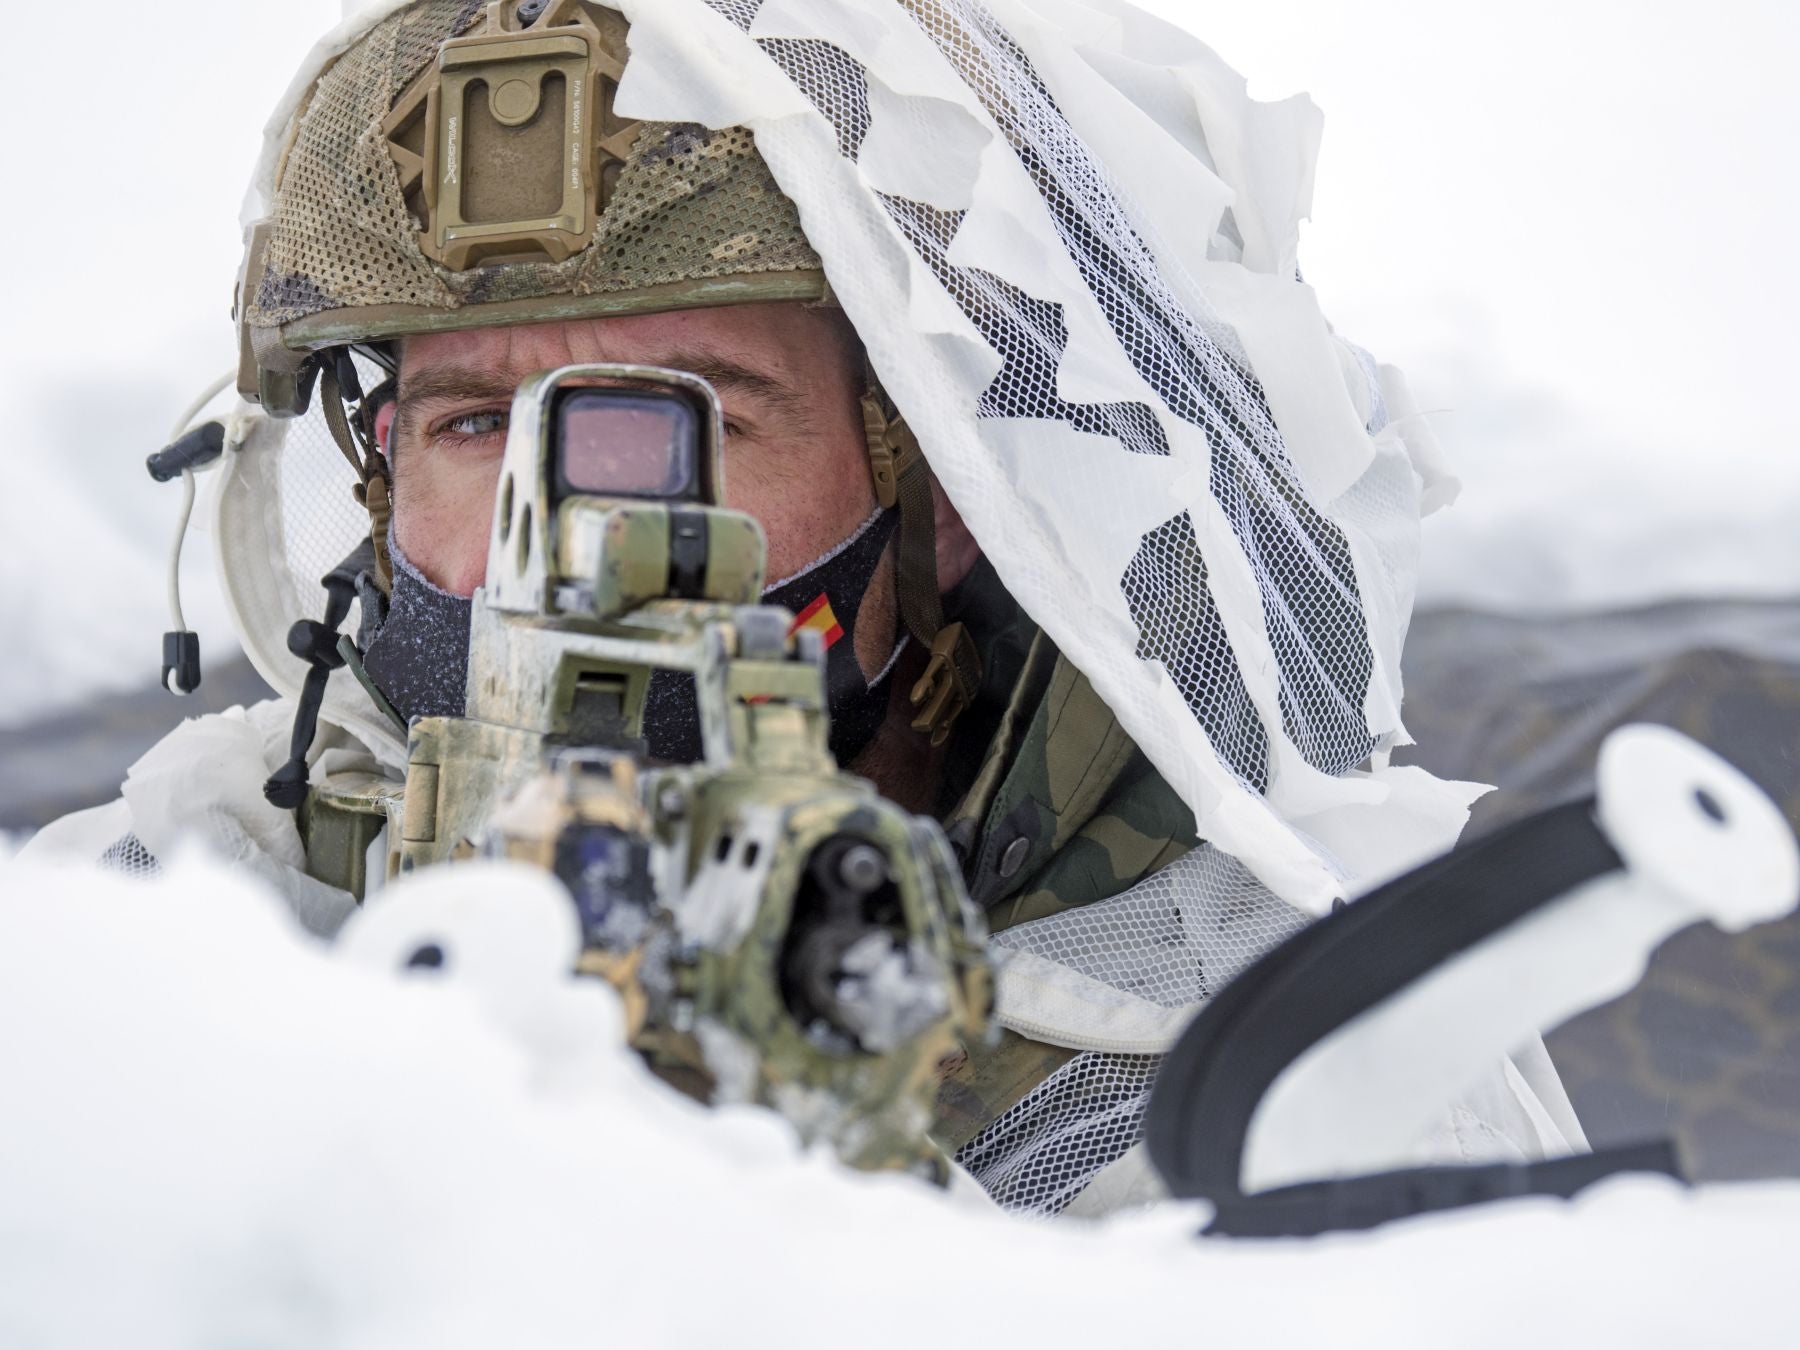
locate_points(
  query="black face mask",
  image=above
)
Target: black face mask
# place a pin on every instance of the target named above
(826, 596)
(415, 641)
(416, 648)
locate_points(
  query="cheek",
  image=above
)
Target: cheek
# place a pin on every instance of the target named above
(443, 514)
(809, 497)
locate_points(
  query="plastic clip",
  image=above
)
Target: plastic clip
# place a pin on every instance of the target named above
(181, 662)
(947, 687)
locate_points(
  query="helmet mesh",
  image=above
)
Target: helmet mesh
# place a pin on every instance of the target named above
(689, 204)
(342, 235)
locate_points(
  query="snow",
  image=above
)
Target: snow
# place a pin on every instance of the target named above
(218, 1130)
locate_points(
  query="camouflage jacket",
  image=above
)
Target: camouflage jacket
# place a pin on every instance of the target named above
(1050, 805)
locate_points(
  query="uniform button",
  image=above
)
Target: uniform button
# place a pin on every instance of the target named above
(1014, 857)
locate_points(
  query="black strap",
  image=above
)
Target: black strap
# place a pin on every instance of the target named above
(350, 417)
(1213, 1079)
(1351, 1204)
(316, 643)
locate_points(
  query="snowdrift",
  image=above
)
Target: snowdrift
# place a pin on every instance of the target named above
(217, 1130)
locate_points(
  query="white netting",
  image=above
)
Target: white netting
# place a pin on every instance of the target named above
(1173, 939)
(1042, 1153)
(321, 522)
(1198, 368)
(128, 857)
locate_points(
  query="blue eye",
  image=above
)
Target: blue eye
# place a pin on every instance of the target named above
(487, 423)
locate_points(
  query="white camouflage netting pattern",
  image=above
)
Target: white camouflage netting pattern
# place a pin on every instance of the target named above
(1120, 978)
(1153, 434)
(1069, 240)
(128, 857)
(321, 522)
(1039, 1156)
(1173, 940)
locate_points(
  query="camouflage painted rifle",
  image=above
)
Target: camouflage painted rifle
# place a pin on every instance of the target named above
(779, 932)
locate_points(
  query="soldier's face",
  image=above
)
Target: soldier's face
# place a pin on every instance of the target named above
(795, 458)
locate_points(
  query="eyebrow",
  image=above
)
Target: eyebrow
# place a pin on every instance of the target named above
(724, 374)
(451, 385)
(447, 386)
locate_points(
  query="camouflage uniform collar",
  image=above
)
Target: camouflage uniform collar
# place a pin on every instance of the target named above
(1014, 666)
(1057, 808)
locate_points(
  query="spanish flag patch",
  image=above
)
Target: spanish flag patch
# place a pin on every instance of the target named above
(818, 616)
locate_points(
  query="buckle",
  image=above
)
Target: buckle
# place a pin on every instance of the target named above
(893, 449)
(500, 148)
(881, 451)
(948, 685)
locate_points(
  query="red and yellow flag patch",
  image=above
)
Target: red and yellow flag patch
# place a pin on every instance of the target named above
(818, 616)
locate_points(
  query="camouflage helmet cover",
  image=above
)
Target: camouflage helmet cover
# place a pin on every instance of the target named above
(461, 165)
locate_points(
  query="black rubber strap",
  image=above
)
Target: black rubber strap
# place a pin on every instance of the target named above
(1355, 1203)
(316, 643)
(689, 545)
(1212, 1080)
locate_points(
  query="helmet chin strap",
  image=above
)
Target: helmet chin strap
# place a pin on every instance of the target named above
(340, 385)
(953, 674)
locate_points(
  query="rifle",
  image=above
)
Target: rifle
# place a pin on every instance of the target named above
(778, 932)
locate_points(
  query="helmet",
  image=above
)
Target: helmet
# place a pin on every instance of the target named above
(462, 165)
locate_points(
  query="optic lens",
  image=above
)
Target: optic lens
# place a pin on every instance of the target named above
(626, 443)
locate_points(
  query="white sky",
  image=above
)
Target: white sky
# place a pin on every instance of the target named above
(1572, 222)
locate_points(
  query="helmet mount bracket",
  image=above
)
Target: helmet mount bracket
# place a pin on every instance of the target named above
(507, 147)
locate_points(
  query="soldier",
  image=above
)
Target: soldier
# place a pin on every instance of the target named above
(463, 194)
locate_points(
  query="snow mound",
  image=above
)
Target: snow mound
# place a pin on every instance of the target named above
(217, 1130)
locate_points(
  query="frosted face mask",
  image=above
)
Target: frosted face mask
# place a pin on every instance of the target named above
(416, 647)
(416, 643)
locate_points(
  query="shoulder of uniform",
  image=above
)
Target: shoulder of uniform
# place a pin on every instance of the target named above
(1079, 815)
